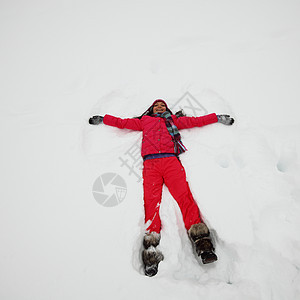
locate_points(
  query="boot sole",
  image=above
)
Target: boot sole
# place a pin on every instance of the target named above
(209, 260)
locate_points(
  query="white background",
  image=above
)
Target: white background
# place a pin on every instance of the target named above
(63, 61)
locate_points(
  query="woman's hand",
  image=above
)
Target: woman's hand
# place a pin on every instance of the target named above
(96, 120)
(225, 119)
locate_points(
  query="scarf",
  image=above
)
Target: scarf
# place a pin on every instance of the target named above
(173, 131)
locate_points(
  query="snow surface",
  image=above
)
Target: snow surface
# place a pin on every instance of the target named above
(63, 61)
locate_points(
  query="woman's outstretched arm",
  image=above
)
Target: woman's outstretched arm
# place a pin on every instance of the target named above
(133, 124)
(190, 122)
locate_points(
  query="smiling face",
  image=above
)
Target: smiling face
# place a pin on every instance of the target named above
(159, 107)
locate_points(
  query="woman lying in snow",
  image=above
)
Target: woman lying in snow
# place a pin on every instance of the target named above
(161, 146)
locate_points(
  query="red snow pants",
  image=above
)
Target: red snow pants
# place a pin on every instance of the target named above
(168, 171)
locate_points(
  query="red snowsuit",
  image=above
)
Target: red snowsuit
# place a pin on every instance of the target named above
(168, 170)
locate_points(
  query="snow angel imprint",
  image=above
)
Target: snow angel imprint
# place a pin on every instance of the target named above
(161, 147)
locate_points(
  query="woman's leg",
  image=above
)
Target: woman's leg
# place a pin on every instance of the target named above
(153, 183)
(175, 180)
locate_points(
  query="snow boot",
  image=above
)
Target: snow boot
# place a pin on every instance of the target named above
(200, 237)
(151, 255)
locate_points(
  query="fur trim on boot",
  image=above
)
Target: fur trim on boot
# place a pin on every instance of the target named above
(198, 231)
(151, 239)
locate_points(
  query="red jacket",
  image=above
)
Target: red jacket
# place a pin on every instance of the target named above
(156, 137)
